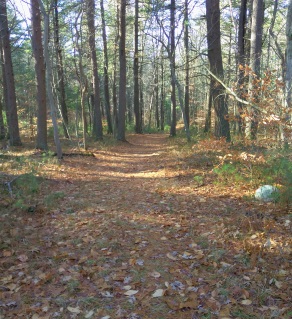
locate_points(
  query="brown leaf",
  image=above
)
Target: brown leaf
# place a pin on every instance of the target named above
(172, 304)
(22, 258)
(190, 303)
(170, 256)
(7, 253)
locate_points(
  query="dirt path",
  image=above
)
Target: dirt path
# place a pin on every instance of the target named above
(128, 235)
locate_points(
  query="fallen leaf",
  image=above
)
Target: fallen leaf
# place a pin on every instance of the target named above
(74, 310)
(89, 314)
(172, 304)
(11, 286)
(282, 273)
(127, 287)
(158, 293)
(170, 256)
(155, 274)
(107, 294)
(193, 304)
(278, 284)
(7, 253)
(246, 302)
(224, 312)
(23, 258)
(131, 292)
(225, 264)
(6, 279)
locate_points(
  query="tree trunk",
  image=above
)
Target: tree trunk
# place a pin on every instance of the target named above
(279, 49)
(141, 84)
(40, 71)
(172, 68)
(97, 121)
(123, 74)
(82, 79)
(288, 79)
(241, 58)
(208, 117)
(156, 90)
(115, 102)
(162, 94)
(4, 104)
(138, 120)
(216, 66)
(13, 127)
(49, 79)
(2, 126)
(60, 72)
(187, 63)
(255, 64)
(105, 73)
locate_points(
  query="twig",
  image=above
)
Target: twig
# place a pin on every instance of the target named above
(8, 184)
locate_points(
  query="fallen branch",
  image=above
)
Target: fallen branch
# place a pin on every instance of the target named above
(232, 93)
(8, 184)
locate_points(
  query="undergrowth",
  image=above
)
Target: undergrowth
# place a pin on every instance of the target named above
(257, 170)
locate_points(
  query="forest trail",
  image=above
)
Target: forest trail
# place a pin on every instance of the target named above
(126, 175)
(127, 233)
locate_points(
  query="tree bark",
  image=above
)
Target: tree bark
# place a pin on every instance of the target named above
(60, 72)
(83, 83)
(97, 120)
(138, 120)
(217, 93)
(156, 91)
(208, 117)
(288, 74)
(123, 74)
(187, 63)
(11, 107)
(241, 58)
(49, 79)
(4, 104)
(2, 126)
(172, 68)
(40, 71)
(105, 72)
(162, 93)
(114, 86)
(255, 64)
(288, 79)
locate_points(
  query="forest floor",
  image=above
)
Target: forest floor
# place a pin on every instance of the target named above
(143, 229)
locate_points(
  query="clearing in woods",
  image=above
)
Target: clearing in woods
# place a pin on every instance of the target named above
(141, 230)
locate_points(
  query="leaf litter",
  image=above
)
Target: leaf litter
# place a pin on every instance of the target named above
(135, 237)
